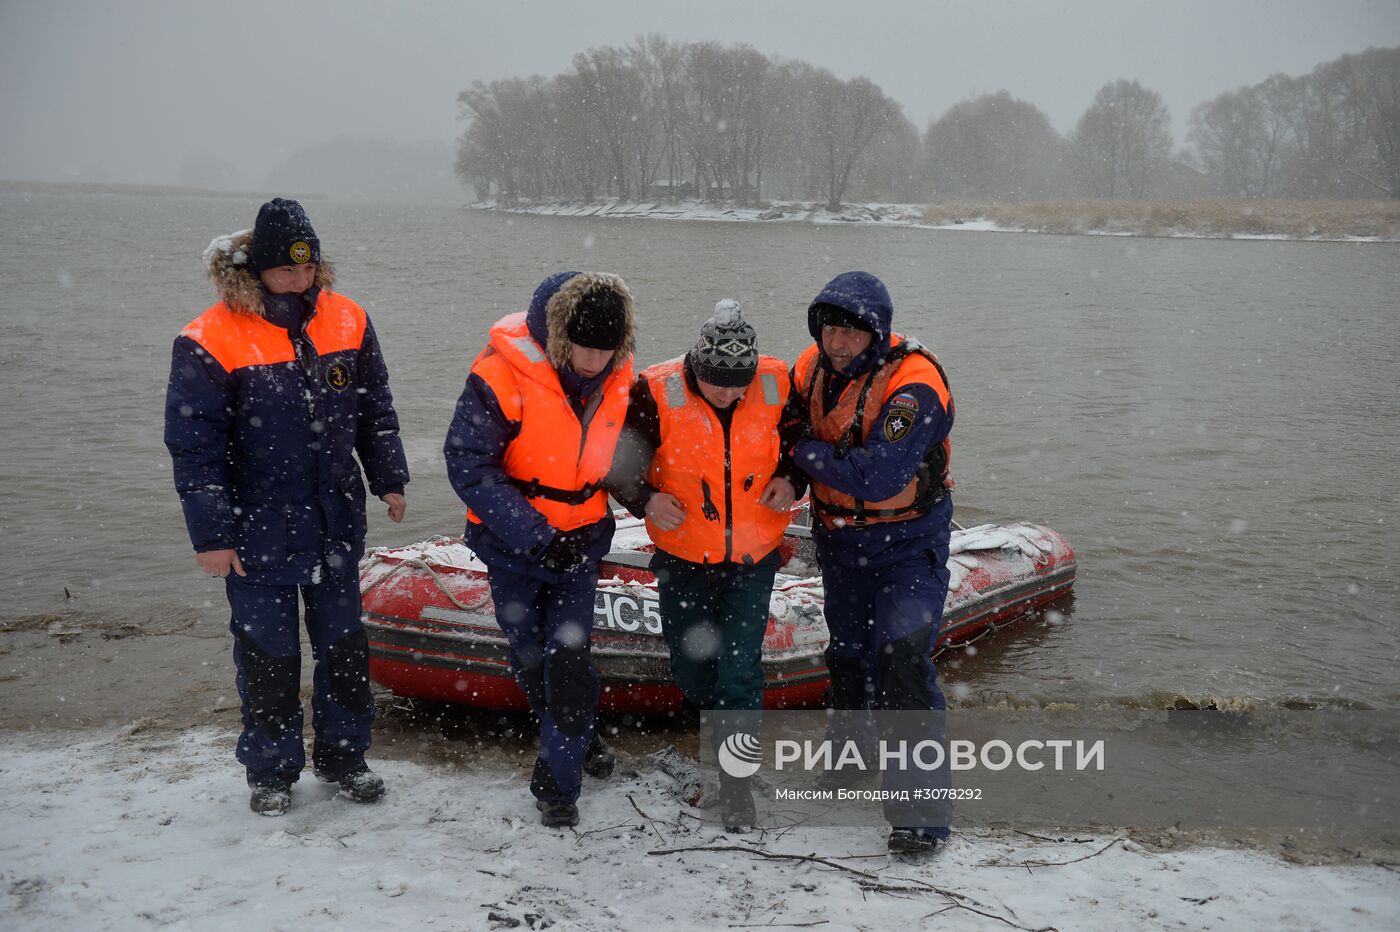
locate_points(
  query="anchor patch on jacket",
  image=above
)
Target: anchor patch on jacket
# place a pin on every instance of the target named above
(338, 376)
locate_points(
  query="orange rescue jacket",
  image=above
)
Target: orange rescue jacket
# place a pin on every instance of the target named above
(853, 418)
(718, 477)
(558, 460)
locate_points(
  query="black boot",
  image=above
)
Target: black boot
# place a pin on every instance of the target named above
(555, 813)
(271, 799)
(361, 785)
(912, 841)
(736, 809)
(599, 759)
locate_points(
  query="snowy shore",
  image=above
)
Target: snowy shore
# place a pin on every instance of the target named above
(129, 829)
(913, 216)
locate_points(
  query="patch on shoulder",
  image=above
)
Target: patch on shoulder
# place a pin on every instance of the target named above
(905, 401)
(898, 423)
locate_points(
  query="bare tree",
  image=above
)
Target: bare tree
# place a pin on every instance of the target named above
(1122, 140)
(726, 127)
(994, 147)
(1231, 141)
(612, 98)
(1369, 86)
(846, 117)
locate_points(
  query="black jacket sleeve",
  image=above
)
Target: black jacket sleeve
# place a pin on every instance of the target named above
(794, 426)
(640, 439)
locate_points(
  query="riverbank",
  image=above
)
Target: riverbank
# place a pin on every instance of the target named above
(1325, 221)
(124, 828)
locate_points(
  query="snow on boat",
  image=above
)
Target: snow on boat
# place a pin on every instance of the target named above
(433, 634)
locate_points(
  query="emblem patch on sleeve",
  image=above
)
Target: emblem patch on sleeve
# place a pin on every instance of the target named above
(898, 423)
(338, 376)
(899, 417)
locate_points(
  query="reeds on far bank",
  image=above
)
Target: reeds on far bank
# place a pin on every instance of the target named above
(1301, 219)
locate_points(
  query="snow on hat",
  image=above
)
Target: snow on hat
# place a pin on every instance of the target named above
(727, 352)
(282, 236)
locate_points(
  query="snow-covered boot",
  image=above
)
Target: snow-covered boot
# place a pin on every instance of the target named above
(556, 813)
(912, 841)
(736, 808)
(271, 799)
(361, 785)
(599, 759)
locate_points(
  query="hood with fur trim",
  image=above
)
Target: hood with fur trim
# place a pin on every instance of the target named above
(226, 259)
(557, 299)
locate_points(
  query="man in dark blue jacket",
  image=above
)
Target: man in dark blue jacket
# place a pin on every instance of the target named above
(273, 392)
(880, 411)
(530, 443)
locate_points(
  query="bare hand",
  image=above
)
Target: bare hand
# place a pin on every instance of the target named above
(219, 562)
(778, 494)
(397, 505)
(665, 511)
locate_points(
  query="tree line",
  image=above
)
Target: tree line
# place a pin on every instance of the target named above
(663, 120)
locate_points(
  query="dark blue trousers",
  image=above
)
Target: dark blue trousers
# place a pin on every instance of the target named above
(267, 653)
(550, 629)
(884, 621)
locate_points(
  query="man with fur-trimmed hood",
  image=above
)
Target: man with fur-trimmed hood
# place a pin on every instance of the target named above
(273, 393)
(530, 444)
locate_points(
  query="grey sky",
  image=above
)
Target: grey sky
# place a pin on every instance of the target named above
(122, 91)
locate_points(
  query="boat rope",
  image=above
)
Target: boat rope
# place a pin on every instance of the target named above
(420, 563)
(989, 630)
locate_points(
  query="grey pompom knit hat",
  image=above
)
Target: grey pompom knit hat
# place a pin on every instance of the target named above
(727, 352)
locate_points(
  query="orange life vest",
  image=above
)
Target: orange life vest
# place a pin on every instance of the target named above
(718, 479)
(237, 340)
(557, 460)
(852, 420)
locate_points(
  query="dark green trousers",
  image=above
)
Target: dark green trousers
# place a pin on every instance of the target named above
(714, 617)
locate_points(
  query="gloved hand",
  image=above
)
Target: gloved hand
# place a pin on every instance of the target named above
(566, 550)
(793, 429)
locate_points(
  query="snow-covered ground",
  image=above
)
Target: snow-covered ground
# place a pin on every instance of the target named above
(903, 215)
(135, 829)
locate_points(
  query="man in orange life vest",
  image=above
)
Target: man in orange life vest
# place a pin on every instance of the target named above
(273, 393)
(880, 412)
(530, 444)
(702, 459)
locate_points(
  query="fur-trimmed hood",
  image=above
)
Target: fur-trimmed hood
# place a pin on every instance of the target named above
(226, 260)
(557, 299)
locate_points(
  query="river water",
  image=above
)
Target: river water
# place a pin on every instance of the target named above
(1212, 424)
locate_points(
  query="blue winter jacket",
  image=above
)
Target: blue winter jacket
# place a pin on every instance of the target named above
(267, 406)
(879, 468)
(514, 534)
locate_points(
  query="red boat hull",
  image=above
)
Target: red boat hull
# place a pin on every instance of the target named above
(432, 631)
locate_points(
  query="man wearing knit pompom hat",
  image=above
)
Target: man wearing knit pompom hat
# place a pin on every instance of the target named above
(701, 458)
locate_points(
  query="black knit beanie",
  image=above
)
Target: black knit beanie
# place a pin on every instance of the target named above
(282, 236)
(599, 321)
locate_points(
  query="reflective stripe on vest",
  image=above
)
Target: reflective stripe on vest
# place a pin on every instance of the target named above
(863, 398)
(557, 459)
(719, 484)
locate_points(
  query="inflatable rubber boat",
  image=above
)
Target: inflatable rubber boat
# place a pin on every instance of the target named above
(433, 634)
